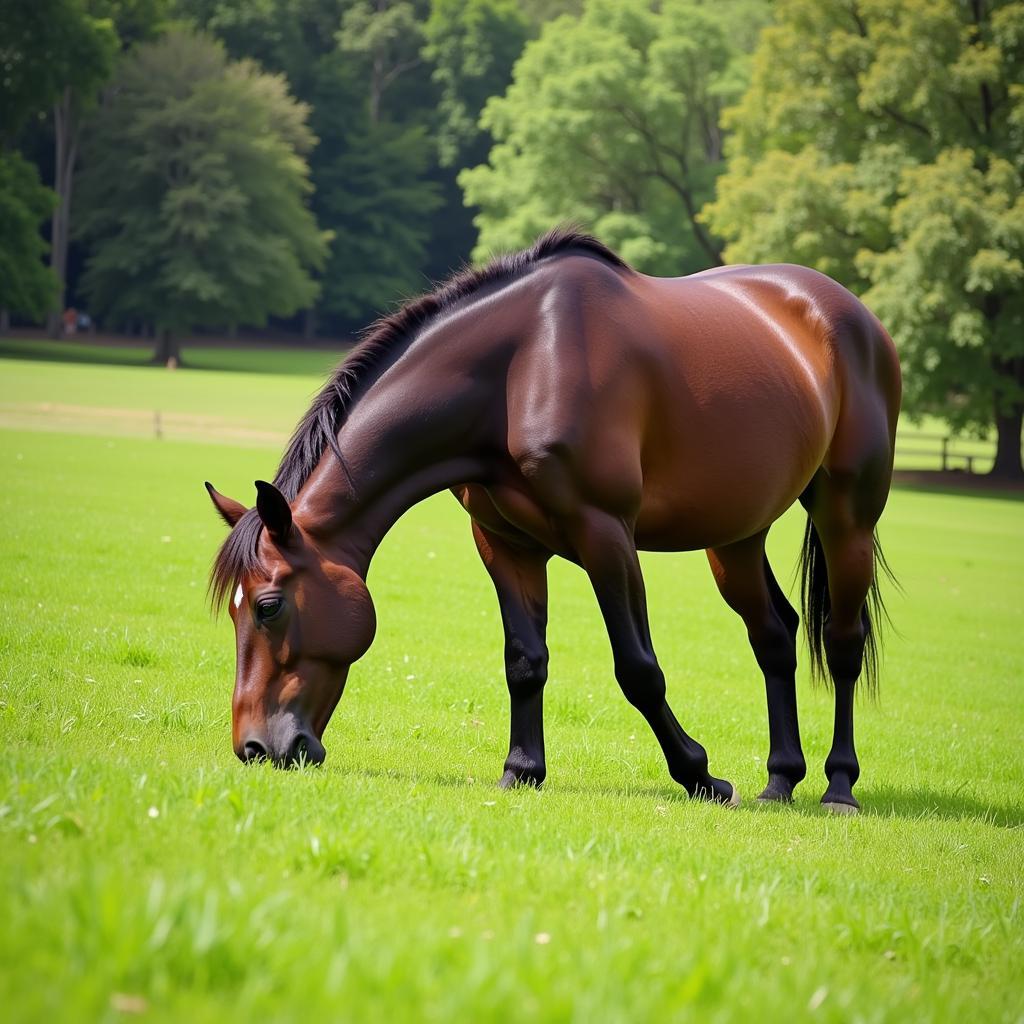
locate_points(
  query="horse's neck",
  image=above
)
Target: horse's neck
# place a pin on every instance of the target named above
(415, 431)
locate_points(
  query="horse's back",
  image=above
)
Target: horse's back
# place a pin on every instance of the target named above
(709, 401)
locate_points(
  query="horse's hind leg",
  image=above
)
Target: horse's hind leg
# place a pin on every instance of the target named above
(519, 575)
(746, 581)
(844, 522)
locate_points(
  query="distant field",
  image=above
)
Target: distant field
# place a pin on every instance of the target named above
(257, 359)
(112, 389)
(143, 870)
(229, 394)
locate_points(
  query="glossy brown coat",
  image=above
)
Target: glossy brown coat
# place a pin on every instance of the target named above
(578, 408)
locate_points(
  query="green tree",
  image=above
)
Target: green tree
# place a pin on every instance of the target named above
(44, 46)
(471, 46)
(388, 37)
(194, 193)
(884, 144)
(613, 120)
(27, 286)
(372, 105)
(50, 51)
(379, 196)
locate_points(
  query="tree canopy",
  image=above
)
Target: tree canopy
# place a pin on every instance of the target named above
(884, 144)
(26, 284)
(45, 47)
(472, 46)
(333, 156)
(613, 120)
(194, 192)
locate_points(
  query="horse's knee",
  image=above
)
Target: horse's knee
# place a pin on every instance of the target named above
(526, 667)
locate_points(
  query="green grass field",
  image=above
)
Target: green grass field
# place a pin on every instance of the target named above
(145, 872)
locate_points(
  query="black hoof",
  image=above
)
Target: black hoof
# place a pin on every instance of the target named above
(719, 792)
(840, 803)
(839, 796)
(515, 780)
(779, 790)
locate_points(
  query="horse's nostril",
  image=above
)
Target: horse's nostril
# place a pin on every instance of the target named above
(299, 751)
(304, 749)
(253, 750)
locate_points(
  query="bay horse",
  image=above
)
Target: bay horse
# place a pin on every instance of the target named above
(579, 408)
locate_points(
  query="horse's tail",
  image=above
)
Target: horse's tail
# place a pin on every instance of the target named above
(814, 597)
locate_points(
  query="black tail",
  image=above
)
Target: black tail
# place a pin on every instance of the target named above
(814, 598)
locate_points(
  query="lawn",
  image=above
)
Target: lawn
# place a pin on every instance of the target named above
(145, 872)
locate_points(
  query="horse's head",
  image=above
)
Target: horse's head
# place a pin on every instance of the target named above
(300, 621)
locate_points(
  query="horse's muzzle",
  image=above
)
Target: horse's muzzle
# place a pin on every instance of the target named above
(285, 743)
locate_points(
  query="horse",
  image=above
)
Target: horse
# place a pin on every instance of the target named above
(579, 408)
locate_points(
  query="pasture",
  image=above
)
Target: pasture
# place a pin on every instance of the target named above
(145, 872)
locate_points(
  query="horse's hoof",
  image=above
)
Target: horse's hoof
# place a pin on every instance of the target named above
(514, 780)
(716, 793)
(837, 808)
(778, 791)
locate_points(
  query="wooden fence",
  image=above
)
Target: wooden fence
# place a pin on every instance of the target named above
(922, 450)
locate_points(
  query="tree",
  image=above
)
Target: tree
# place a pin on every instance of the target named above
(884, 144)
(26, 284)
(105, 26)
(471, 46)
(194, 193)
(48, 50)
(388, 36)
(372, 105)
(378, 193)
(613, 120)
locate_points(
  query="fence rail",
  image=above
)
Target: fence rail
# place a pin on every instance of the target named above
(924, 450)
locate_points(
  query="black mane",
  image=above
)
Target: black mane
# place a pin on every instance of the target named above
(382, 341)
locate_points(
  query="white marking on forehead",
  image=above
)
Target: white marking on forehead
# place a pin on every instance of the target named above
(238, 596)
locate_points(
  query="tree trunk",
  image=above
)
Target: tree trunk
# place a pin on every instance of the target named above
(1007, 465)
(168, 351)
(5, 322)
(65, 132)
(309, 324)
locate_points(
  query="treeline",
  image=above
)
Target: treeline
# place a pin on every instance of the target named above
(215, 163)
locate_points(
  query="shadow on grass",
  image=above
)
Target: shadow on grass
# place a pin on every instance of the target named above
(891, 801)
(880, 802)
(953, 491)
(72, 352)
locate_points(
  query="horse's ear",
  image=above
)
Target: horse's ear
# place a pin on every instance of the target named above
(230, 510)
(273, 508)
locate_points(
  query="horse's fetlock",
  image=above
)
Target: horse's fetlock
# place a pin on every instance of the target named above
(840, 766)
(792, 767)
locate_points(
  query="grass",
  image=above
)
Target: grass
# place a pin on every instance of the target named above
(144, 871)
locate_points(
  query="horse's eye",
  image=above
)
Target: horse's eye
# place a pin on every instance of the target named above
(268, 608)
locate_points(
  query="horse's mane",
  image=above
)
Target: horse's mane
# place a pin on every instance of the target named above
(381, 343)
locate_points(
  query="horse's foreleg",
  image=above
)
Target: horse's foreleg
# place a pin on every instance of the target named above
(605, 547)
(520, 580)
(749, 587)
